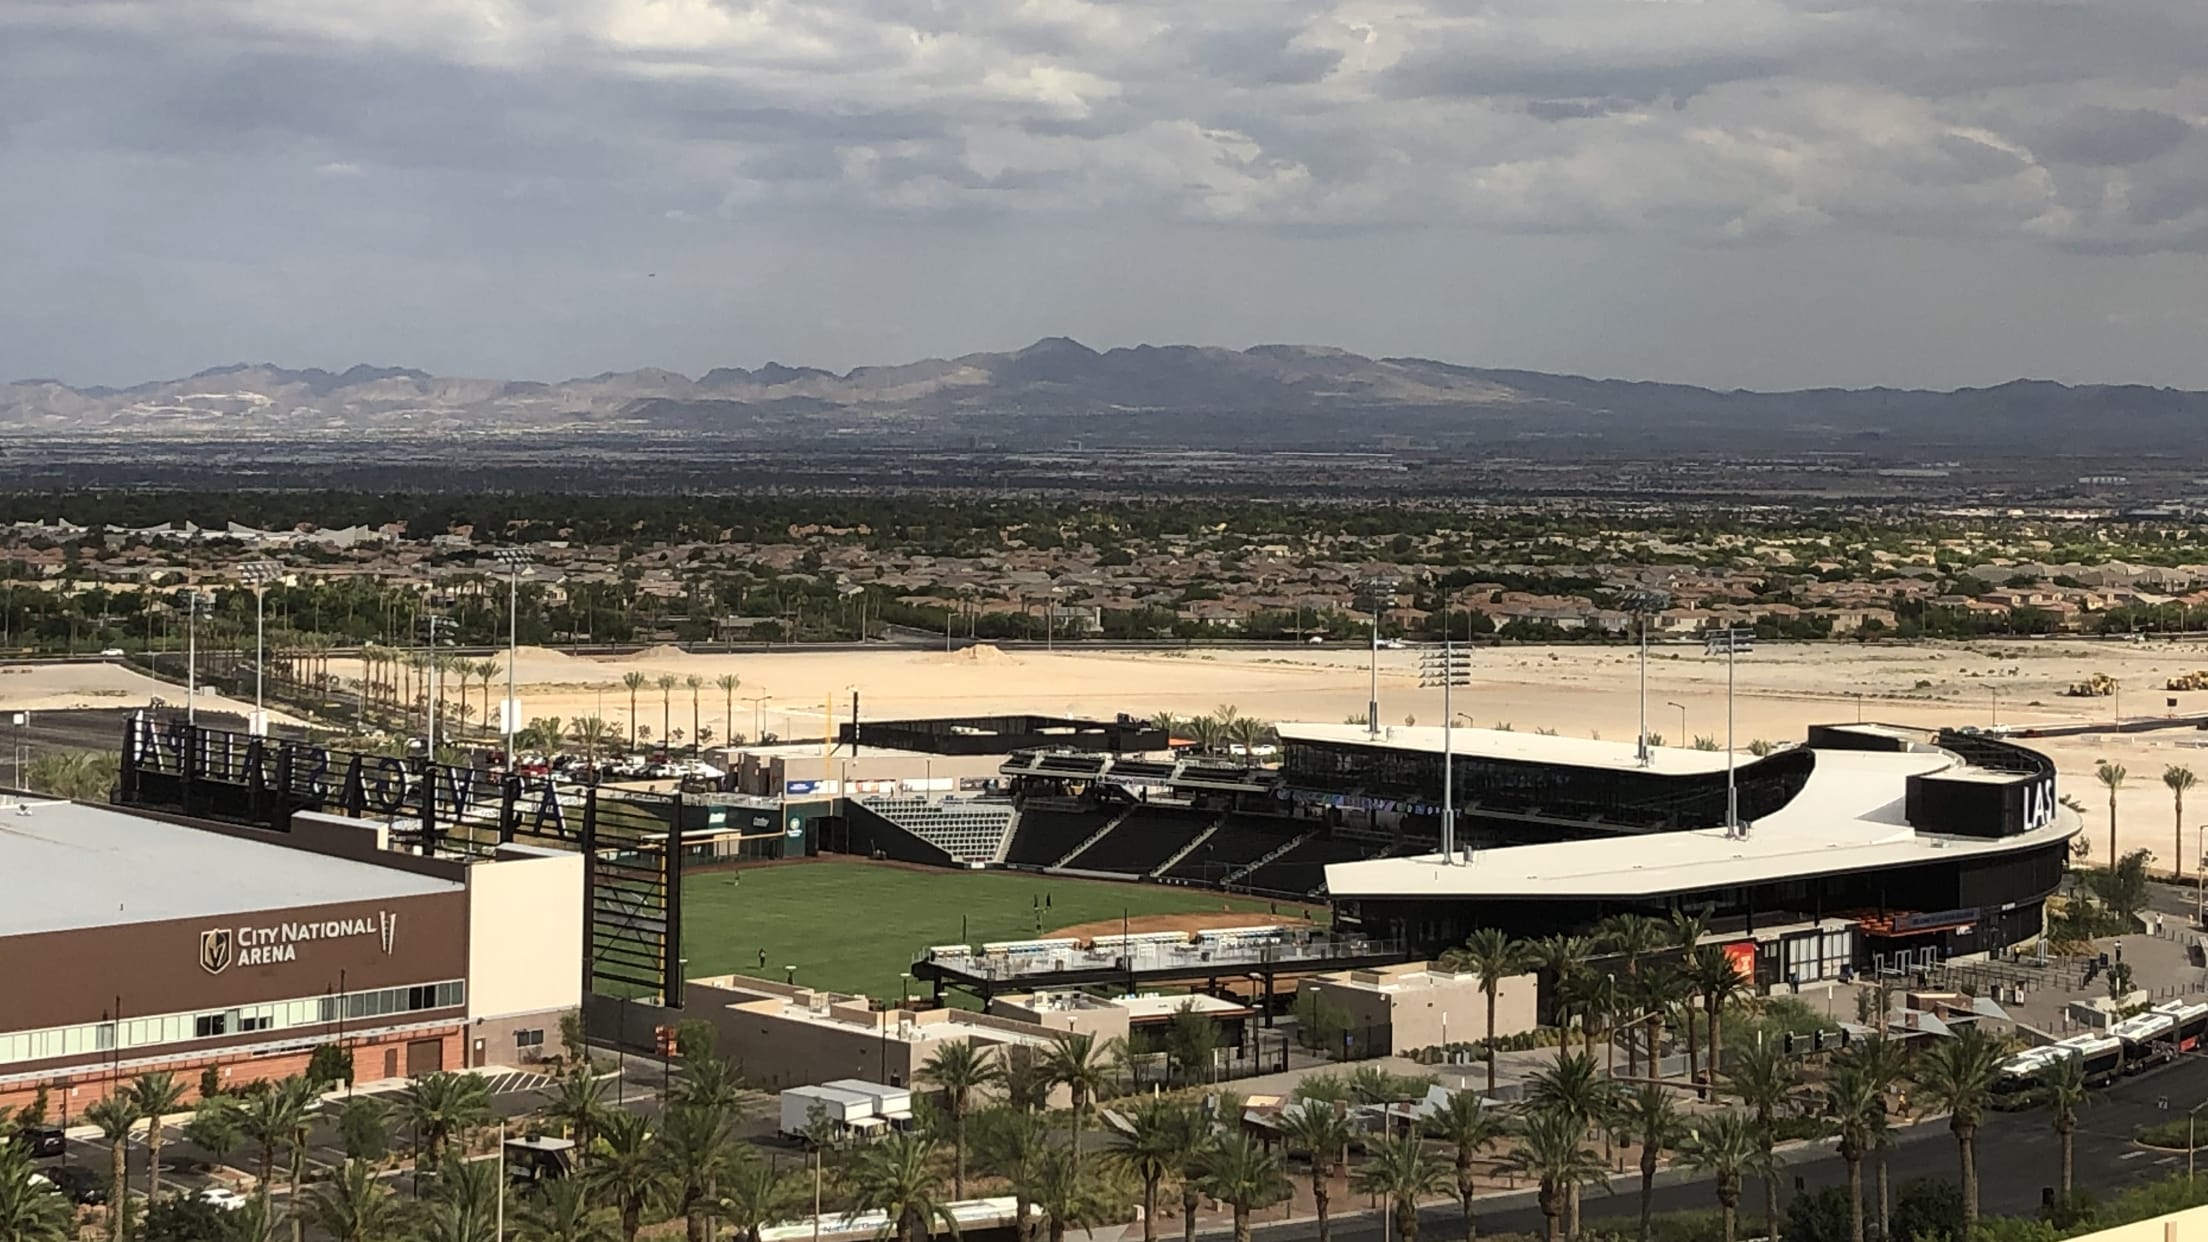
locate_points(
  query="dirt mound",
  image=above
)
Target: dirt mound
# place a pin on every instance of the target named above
(542, 653)
(979, 653)
(664, 651)
(1189, 922)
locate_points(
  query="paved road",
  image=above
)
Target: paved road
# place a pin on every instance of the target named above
(2017, 1157)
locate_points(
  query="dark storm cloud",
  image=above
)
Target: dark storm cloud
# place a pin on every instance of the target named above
(2111, 137)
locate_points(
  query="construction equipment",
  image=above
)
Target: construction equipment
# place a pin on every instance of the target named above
(2099, 685)
(2195, 680)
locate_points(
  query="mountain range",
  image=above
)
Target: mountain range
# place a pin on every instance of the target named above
(1058, 390)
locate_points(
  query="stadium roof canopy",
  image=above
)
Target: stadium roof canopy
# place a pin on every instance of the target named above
(1850, 816)
(65, 866)
(1571, 752)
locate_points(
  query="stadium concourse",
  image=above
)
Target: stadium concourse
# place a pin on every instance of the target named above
(1863, 846)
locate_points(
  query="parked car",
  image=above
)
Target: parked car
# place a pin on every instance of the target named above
(76, 1183)
(42, 1141)
(222, 1197)
(111, 653)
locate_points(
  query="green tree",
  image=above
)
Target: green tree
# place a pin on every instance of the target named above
(1725, 1146)
(961, 1071)
(634, 681)
(561, 1211)
(1765, 1080)
(1857, 1107)
(29, 1211)
(1191, 1041)
(2111, 776)
(1154, 1146)
(276, 1118)
(1067, 1198)
(578, 1106)
(1402, 1172)
(78, 775)
(666, 683)
(1635, 936)
(624, 1172)
(1235, 1170)
(1652, 1118)
(1553, 1153)
(215, 1127)
(440, 1105)
(462, 1204)
(1494, 957)
(2066, 1093)
(2178, 779)
(1317, 1131)
(356, 1206)
(1008, 1142)
(1956, 1076)
(115, 1117)
(1719, 984)
(1087, 1068)
(897, 1177)
(364, 1128)
(1572, 1084)
(695, 1149)
(1469, 1126)
(755, 1195)
(155, 1096)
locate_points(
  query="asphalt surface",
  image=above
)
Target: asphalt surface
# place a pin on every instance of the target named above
(2017, 1157)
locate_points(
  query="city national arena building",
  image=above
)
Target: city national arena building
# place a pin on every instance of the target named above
(132, 942)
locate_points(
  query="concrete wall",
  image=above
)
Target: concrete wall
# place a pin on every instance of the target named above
(1424, 1007)
(2190, 1225)
(1103, 1021)
(525, 937)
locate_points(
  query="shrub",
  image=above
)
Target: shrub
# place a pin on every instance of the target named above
(1818, 1216)
(1928, 1207)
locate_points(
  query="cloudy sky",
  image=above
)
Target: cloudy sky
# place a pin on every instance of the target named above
(1731, 192)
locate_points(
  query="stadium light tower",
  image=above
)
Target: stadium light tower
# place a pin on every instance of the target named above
(258, 574)
(1446, 667)
(196, 602)
(1729, 643)
(1373, 588)
(1643, 605)
(516, 563)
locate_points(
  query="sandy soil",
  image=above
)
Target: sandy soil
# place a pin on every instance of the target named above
(1188, 922)
(67, 687)
(1580, 691)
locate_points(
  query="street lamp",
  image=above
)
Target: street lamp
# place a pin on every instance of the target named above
(1446, 667)
(516, 561)
(258, 574)
(1373, 589)
(1729, 643)
(1643, 605)
(1682, 722)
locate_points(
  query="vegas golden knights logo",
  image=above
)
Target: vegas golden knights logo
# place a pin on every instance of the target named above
(215, 950)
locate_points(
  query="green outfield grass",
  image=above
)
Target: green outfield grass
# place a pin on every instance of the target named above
(855, 926)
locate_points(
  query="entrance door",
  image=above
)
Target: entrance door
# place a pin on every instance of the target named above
(390, 1063)
(424, 1056)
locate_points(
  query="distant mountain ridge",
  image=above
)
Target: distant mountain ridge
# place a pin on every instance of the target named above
(1058, 389)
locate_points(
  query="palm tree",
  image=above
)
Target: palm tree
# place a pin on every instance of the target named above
(356, 1206)
(897, 1178)
(463, 1203)
(1066, 1199)
(959, 1070)
(755, 1195)
(634, 680)
(215, 1127)
(1572, 1085)
(1008, 1141)
(1086, 1068)
(2065, 1083)
(624, 1172)
(1857, 1107)
(666, 683)
(695, 1149)
(1878, 1060)
(29, 1212)
(694, 683)
(1318, 1132)
(2111, 776)
(728, 683)
(1764, 1079)
(487, 671)
(1725, 1146)
(1492, 956)
(709, 1080)
(1553, 1152)
(155, 1096)
(562, 1211)
(116, 1117)
(274, 1119)
(2179, 779)
(1661, 991)
(1469, 1127)
(578, 1105)
(1649, 1115)
(1956, 1077)
(1719, 983)
(1235, 1170)
(1154, 1146)
(1402, 1171)
(443, 1104)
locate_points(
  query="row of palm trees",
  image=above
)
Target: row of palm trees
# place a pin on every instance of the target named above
(1225, 730)
(2177, 778)
(635, 681)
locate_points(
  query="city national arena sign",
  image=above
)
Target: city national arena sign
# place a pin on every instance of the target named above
(268, 944)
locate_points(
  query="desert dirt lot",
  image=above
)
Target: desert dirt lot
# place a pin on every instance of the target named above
(56, 686)
(1576, 690)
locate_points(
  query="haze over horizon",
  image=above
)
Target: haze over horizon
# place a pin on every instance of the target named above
(1766, 194)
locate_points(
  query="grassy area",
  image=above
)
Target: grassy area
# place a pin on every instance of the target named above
(855, 926)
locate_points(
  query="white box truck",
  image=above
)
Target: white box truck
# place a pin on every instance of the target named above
(892, 1104)
(834, 1109)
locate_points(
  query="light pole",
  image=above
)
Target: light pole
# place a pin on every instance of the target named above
(758, 714)
(1373, 587)
(258, 574)
(1682, 722)
(195, 602)
(2200, 895)
(1995, 691)
(433, 660)
(516, 561)
(1729, 643)
(1642, 605)
(1447, 668)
